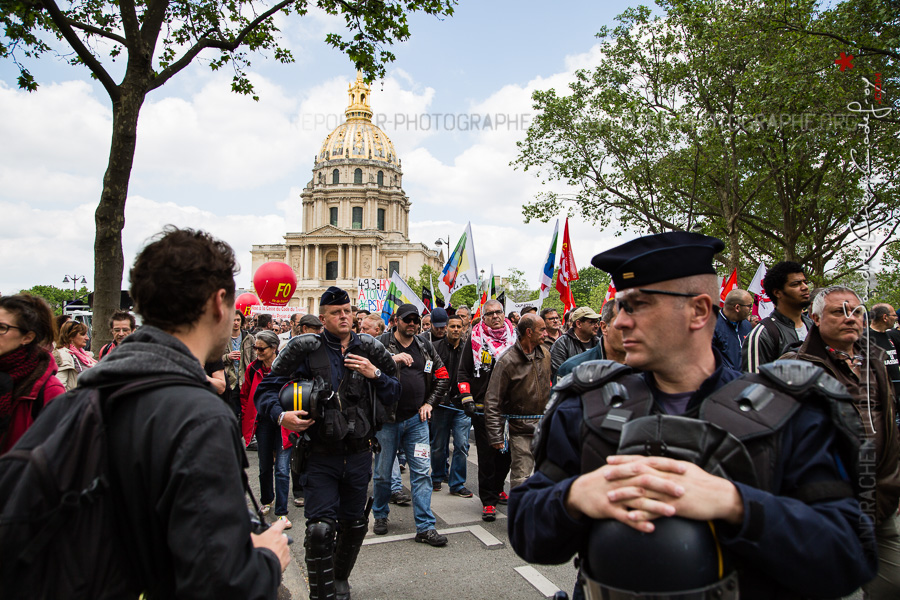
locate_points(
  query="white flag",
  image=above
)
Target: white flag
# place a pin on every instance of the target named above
(764, 306)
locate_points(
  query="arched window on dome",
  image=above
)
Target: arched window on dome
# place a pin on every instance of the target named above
(357, 176)
(357, 217)
(380, 178)
(331, 270)
(335, 176)
(381, 219)
(333, 216)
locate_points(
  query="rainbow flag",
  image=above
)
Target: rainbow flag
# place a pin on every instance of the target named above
(461, 269)
(399, 293)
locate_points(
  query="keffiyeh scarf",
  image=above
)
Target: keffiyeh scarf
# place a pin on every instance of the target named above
(488, 344)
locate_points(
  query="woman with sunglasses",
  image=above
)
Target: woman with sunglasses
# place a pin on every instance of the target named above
(271, 439)
(27, 371)
(70, 355)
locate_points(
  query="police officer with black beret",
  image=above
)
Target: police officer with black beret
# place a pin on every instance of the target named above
(689, 480)
(351, 379)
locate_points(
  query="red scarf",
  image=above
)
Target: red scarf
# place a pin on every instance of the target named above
(83, 357)
(16, 367)
(488, 344)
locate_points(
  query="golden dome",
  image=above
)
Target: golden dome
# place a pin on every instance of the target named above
(358, 138)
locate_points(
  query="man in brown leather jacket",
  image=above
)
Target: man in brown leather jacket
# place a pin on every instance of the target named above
(520, 385)
(835, 342)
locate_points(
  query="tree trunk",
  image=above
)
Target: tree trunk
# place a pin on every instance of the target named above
(109, 262)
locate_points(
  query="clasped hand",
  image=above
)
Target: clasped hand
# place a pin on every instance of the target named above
(638, 489)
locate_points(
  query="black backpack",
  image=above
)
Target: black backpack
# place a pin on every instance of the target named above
(58, 531)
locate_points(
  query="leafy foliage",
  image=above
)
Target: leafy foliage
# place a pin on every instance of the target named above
(158, 39)
(712, 117)
(55, 297)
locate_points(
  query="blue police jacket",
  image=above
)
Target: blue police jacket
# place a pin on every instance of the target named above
(823, 549)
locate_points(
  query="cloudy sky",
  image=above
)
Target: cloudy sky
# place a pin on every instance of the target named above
(211, 159)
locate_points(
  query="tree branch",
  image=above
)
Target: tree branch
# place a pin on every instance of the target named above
(97, 31)
(206, 42)
(62, 23)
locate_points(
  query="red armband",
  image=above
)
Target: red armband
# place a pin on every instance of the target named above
(442, 373)
(464, 387)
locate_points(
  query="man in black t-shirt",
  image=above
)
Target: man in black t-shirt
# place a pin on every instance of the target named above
(880, 329)
(424, 381)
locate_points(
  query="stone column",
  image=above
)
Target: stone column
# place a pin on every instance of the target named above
(316, 266)
(375, 264)
(340, 265)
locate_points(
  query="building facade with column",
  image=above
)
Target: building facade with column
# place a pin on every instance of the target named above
(355, 213)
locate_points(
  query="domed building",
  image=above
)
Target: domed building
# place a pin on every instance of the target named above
(355, 213)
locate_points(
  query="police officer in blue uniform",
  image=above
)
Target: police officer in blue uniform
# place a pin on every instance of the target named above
(350, 379)
(689, 480)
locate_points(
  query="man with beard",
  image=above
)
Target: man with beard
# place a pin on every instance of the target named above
(786, 285)
(490, 338)
(554, 326)
(175, 452)
(580, 338)
(448, 418)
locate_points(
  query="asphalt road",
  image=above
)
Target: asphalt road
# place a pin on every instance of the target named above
(476, 564)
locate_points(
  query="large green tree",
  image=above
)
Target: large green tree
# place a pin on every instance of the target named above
(710, 117)
(156, 40)
(56, 297)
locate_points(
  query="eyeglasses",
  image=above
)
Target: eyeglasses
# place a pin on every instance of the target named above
(745, 305)
(5, 328)
(628, 307)
(493, 313)
(260, 349)
(411, 319)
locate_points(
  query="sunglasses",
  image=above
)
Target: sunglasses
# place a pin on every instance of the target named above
(261, 348)
(623, 304)
(411, 319)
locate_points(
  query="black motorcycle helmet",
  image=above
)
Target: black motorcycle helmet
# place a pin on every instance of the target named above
(680, 559)
(304, 394)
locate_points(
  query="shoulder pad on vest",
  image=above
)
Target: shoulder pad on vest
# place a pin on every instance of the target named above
(800, 377)
(294, 353)
(378, 354)
(591, 375)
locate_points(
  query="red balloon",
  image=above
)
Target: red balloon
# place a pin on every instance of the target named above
(275, 283)
(244, 302)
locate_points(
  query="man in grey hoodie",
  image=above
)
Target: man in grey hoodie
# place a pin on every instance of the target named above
(176, 455)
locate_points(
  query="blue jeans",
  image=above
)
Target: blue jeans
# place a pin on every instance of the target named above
(396, 482)
(407, 434)
(445, 421)
(273, 456)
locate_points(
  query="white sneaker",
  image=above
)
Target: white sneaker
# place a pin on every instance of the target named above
(266, 509)
(287, 524)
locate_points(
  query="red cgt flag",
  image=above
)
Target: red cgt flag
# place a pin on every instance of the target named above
(610, 295)
(567, 271)
(728, 284)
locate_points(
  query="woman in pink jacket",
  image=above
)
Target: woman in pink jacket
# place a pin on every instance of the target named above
(27, 370)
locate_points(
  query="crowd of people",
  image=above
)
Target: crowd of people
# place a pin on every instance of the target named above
(663, 404)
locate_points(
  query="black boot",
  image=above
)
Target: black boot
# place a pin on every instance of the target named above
(319, 547)
(349, 541)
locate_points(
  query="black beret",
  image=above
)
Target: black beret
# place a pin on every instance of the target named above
(334, 296)
(660, 257)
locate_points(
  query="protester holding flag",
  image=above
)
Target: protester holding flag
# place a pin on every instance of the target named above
(489, 339)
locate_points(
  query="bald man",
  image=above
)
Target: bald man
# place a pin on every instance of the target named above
(732, 327)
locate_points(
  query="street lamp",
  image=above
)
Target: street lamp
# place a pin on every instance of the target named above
(75, 284)
(440, 242)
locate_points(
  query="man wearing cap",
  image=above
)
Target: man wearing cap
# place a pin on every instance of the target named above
(448, 417)
(490, 338)
(609, 348)
(749, 471)
(424, 381)
(300, 324)
(580, 338)
(438, 327)
(339, 436)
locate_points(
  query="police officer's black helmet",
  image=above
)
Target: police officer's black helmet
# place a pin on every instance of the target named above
(304, 394)
(680, 559)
